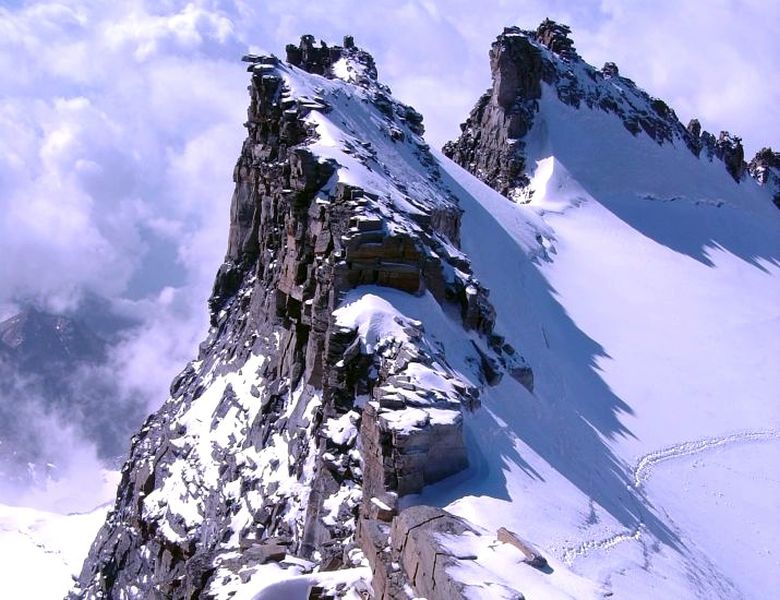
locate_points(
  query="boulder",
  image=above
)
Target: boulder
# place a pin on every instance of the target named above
(530, 554)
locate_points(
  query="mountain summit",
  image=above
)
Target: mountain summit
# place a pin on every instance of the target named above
(319, 401)
(413, 387)
(492, 144)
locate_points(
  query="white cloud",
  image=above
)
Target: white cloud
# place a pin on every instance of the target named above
(146, 359)
(99, 106)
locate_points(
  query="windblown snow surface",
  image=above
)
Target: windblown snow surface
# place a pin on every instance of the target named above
(642, 285)
(42, 550)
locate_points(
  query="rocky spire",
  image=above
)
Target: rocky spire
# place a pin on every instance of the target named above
(728, 148)
(555, 36)
(293, 434)
(725, 147)
(490, 145)
(764, 165)
(321, 59)
(610, 69)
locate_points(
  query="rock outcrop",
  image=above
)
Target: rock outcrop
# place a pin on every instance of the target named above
(492, 143)
(415, 551)
(320, 59)
(765, 169)
(725, 147)
(294, 423)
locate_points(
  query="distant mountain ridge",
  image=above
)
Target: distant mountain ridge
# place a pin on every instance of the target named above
(33, 339)
(491, 143)
(54, 376)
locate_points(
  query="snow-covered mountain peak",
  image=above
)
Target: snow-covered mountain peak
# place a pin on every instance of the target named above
(365, 409)
(653, 309)
(504, 134)
(321, 401)
(351, 121)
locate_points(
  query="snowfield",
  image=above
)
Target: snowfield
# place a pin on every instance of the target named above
(46, 534)
(41, 552)
(646, 458)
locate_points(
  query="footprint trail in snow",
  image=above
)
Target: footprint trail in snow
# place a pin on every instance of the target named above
(644, 470)
(645, 465)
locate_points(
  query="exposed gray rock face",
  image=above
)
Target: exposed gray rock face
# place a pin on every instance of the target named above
(765, 169)
(320, 59)
(290, 426)
(725, 147)
(415, 552)
(414, 538)
(410, 435)
(610, 69)
(492, 140)
(555, 36)
(490, 144)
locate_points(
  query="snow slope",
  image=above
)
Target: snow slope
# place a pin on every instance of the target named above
(46, 534)
(641, 284)
(41, 551)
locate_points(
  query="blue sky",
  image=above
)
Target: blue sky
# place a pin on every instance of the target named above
(120, 122)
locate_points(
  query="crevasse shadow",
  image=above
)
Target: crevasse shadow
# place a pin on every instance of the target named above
(572, 414)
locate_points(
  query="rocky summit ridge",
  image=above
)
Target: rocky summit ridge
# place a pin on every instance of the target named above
(299, 445)
(315, 407)
(492, 142)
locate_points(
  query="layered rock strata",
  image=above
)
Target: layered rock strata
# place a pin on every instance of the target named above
(292, 424)
(416, 551)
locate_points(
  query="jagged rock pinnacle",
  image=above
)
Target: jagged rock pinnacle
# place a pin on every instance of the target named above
(555, 36)
(765, 169)
(320, 59)
(610, 69)
(725, 147)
